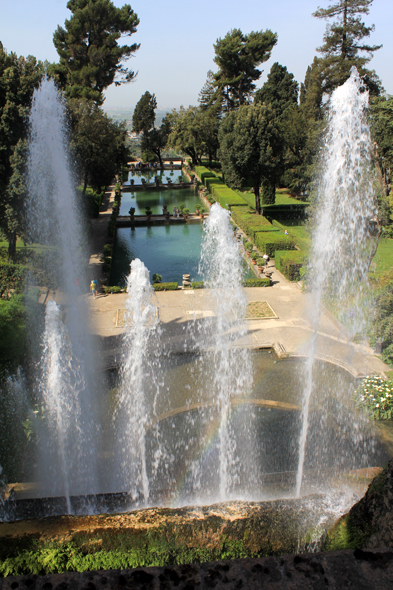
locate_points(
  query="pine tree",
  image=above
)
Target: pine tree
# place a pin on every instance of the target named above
(90, 57)
(237, 57)
(343, 47)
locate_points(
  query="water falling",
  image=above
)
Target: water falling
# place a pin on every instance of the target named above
(67, 383)
(221, 265)
(138, 373)
(345, 214)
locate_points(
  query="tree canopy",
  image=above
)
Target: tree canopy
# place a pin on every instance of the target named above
(195, 132)
(19, 77)
(280, 90)
(237, 57)
(90, 57)
(343, 47)
(251, 146)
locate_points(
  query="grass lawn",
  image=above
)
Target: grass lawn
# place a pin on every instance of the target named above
(383, 260)
(282, 198)
(296, 228)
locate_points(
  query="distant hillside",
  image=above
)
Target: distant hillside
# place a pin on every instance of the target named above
(122, 114)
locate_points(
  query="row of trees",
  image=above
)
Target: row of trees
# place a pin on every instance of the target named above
(90, 59)
(271, 136)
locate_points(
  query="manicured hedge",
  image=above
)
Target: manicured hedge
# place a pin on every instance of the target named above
(212, 181)
(302, 244)
(226, 196)
(265, 282)
(112, 290)
(269, 242)
(296, 211)
(249, 222)
(165, 286)
(254, 230)
(197, 285)
(290, 263)
(204, 173)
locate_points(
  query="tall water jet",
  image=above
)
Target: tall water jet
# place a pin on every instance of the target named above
(221, 266)
(67, 384)
(345, 216)
(138, 374)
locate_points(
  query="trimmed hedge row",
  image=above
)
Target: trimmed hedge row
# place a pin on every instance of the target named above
(269, 242)
(302, 244)
(265, 282)
(296, 211)
(204, 173)
(226, 196)
(290, 263)
(165, 286)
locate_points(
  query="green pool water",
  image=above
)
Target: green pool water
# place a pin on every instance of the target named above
(173, 175)
(169, 250)
(157, 199)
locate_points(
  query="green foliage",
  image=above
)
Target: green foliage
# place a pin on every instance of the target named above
(165, 286)
(248, 246)
(342, 44)
(11, 276)
(112, 290)
(90, 57)
(194, 131)
(269, 242)
(375, 395)
(19, 77)
(97, 142)
(197, 285)
(251, 146)
(12, 331)
(381, 109)
(227, 197)
(265, 282)
(157, 278)
(237, 57)
(280, 90)
(289, 263)
(204, 173)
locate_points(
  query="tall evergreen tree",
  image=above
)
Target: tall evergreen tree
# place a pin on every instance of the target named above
(90, 57)
(280, 90)
(237, 57)
(153, 140)
(251, 146)
(19, 77)
(343, 47)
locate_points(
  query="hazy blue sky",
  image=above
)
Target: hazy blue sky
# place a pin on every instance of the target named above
(177, 40)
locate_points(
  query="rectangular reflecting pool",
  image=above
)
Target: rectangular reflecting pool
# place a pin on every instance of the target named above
(157, 199)
(148, 175)
(169, 250)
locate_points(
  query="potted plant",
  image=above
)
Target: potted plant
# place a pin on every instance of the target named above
(248, 248)
(132, 181)
(197, 209)
(202, 211)
(253, 257)
(148, 213)
(131, 213)
(260, 264)
(185, 212)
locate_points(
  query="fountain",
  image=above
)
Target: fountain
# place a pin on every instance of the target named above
(196, 427)
(65, 382)
(343, 227)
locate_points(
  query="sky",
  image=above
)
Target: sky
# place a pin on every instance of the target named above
(177, 39)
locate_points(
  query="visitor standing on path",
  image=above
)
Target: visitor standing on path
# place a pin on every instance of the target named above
(93, 287)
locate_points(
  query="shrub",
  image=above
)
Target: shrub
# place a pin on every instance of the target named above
(248, 246)
(260, 261)
(157, 278)
(11, 276)
(211, 182)
(269, 242)
(265, 282)
(197, 285)
(165, 286)
(253, 256)
(289, 263)
(185, 211)
(108, 250)
(114, 289)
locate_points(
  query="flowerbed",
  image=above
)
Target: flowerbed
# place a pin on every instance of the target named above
(375, 395)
